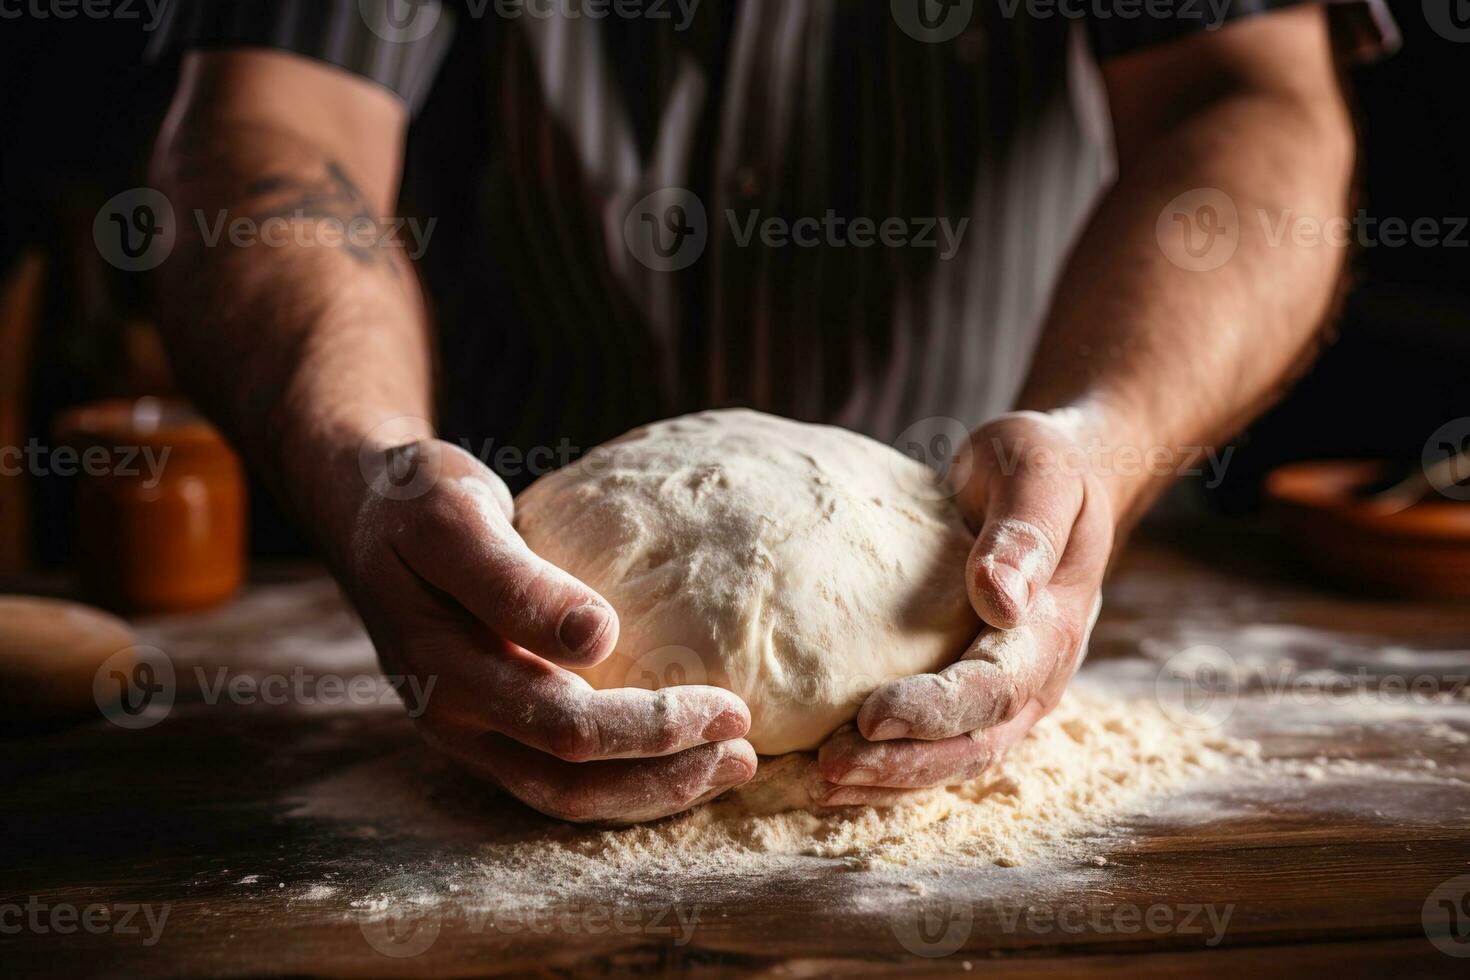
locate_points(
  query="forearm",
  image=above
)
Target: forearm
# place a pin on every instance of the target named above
(297, 341)
(1155, 358)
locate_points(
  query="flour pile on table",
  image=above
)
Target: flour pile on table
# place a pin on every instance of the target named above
(1095, 760)
(1092, 760)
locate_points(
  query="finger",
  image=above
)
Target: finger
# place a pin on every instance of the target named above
(462, 543)
(621, 791)
(989, 686)
(1009, 562)
(1039, 532)
(848, 759)
(553, 710)
(1028, 520)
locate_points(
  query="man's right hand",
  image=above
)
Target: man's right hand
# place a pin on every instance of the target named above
(449, 591)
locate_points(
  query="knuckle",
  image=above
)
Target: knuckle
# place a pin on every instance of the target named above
(1007, 700)
(666, 738)
(668, 731)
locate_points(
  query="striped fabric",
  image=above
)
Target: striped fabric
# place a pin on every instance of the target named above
(547, 134)
(373, 38)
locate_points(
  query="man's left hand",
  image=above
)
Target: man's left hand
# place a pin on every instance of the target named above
(1045, 533)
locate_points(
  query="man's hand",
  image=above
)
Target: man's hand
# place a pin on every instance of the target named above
(450, 592)
(1045, 533)
(308, 347)
(1149, 352)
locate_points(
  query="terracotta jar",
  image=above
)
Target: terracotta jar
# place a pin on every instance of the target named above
(160, 509)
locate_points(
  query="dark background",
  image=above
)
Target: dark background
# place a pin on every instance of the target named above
(79, 109)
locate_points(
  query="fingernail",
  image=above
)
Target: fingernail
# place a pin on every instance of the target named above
(892, 728)
(729, 724)
(1013, 584)
(732, 769)
(581, 628)
(861, 776)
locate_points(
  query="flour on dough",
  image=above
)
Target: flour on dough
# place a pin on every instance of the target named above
(800, 566)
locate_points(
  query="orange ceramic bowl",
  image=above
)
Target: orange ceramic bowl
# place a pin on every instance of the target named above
(1421, 551)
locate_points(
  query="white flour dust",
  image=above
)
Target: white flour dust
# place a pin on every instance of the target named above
(1093, 761)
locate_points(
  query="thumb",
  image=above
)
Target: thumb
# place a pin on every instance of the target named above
(460, 540)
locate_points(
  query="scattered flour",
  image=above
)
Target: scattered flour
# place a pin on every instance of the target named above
(1094, 761)
(1089, 762)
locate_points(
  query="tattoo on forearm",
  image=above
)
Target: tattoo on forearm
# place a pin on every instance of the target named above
(329, 199)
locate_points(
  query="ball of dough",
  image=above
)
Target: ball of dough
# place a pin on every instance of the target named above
(800, 566)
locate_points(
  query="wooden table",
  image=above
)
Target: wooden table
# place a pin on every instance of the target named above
(200, 817)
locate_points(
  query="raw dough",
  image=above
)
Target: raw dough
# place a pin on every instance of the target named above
(800, 566)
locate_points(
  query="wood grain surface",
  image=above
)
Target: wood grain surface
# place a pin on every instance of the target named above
(1353, 858)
